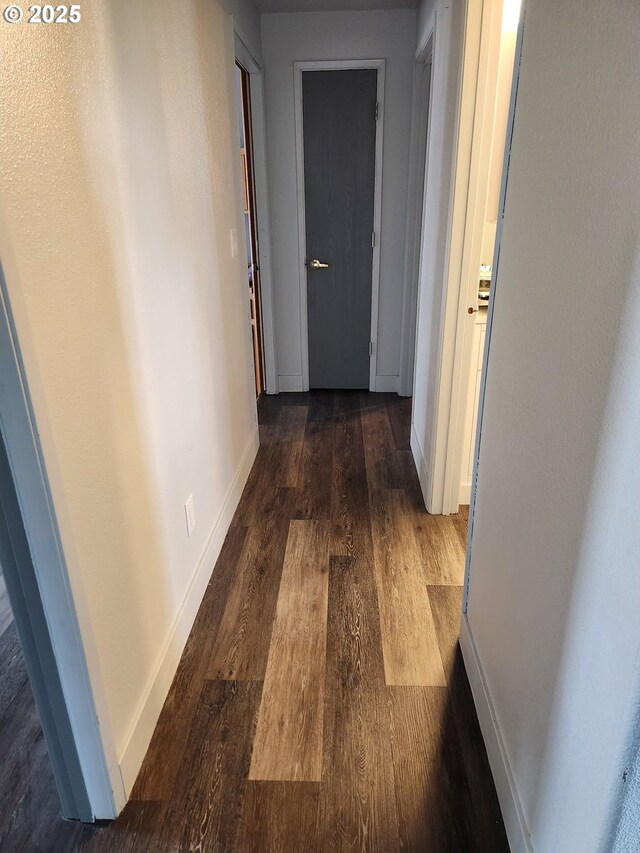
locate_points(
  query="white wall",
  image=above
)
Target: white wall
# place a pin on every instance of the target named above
(287, 38)
(626, 830)
(446, 21)
(554, 580)
(120, 185)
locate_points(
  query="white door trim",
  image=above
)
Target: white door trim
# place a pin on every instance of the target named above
(418, 155)
(246, 58)
(337, 65)
(492, 296)
(473, 146)
(66, 626)
(475, 211)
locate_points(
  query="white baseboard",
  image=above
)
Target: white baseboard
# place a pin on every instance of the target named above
(158, 687)
(421, 464)
(387, 384)
(464, 493)
(294, 383)
(508, 797)
(290, 383)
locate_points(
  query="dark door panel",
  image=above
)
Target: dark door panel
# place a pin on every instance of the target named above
(339, 127)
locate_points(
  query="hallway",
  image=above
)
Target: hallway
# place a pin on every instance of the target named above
(370, 741)
(324, 709)
(234, 626)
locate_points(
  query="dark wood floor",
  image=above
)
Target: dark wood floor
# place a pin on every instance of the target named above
(321, 703)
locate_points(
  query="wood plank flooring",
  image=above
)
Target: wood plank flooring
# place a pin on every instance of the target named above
(321, 703)
(288, 741)
(409, 642)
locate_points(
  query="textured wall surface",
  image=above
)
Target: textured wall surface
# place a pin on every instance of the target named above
(287, 38)
(554, 583)
(120, 185)
(626, 837)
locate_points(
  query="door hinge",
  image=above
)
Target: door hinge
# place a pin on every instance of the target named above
(373, 239)
(370, 347)
(377, 110)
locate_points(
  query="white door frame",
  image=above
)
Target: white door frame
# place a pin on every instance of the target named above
(51, 614)
(483, 23)
(418, 158)
(252, 65)
(337, 65)
(492, 297)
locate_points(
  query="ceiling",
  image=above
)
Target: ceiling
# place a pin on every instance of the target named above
(331, 5)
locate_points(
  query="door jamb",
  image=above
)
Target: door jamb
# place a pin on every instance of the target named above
(250, 63)
(339, 65)
(471, 248)
(492, 297)
(474, 122)
(54, 621)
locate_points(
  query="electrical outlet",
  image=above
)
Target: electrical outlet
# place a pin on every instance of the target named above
(233, 238)
(190, 515)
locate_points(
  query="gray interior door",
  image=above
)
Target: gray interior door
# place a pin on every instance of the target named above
(339, 129)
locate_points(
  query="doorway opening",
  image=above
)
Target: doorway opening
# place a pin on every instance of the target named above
(499, 84)
(461, 321)
(339, 118)
(250, 216)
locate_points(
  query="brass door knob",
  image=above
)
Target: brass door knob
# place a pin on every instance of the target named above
(315, 264)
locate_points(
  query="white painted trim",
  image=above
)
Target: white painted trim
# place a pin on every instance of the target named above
(243, 53)
(421, 462)
(492, 298)
(388, 384)
(246, 58)
(477, 94)
(419, 146)
(475, 209)
(149, 709)
(506, 789)
(65, 608)
(302, 235)
(264, 231)
(337, 65)
(291, 383)
(455, 342)
(377, 226)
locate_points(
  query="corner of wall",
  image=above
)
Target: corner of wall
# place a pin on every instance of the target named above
(159, 684)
